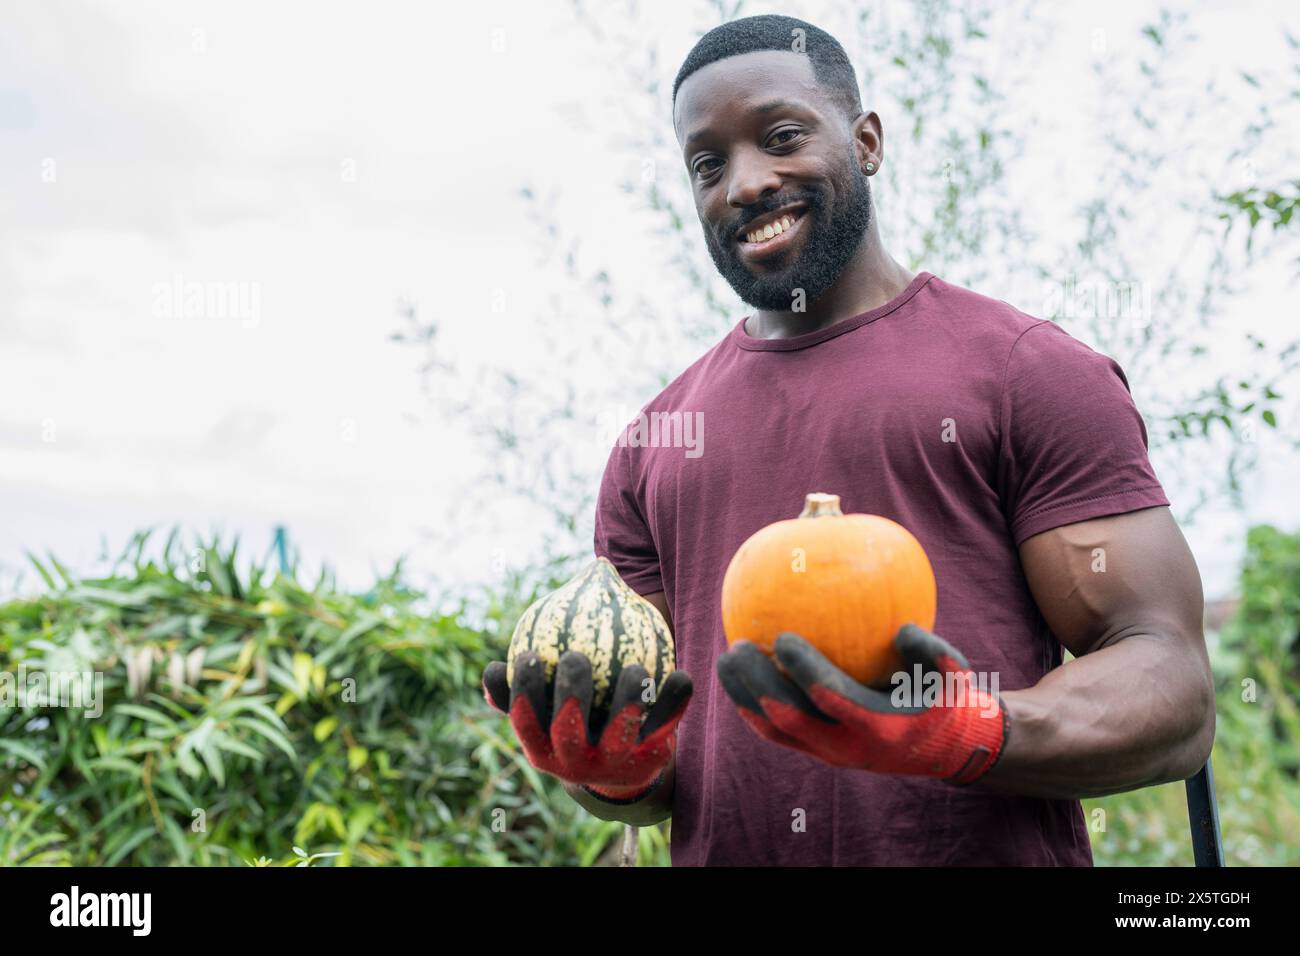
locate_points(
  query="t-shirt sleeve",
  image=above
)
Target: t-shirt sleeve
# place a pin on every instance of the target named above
(622, 533)
(1074, 445)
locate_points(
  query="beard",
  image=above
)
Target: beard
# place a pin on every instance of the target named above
(834, 231)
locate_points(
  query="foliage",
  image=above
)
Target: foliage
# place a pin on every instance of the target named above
(1154, 290)
(237, 742)
(1256, 757)
(1256, 204)
(954, 197)
(1263, 205)
(247, 719)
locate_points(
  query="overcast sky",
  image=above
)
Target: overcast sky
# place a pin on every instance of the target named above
(317, 162)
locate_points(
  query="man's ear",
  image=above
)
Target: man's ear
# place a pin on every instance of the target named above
(868, 141)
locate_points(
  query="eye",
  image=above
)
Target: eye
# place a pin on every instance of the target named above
(789, 130)
(700, 169)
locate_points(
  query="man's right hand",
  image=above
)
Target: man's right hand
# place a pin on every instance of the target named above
(619, 762)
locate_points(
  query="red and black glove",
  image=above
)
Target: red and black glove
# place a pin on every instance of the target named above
(619, 759)
(820, 710)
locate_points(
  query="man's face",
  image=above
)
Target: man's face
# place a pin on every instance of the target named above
(762, 141)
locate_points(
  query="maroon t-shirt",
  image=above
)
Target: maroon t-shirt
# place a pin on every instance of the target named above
(967, 421)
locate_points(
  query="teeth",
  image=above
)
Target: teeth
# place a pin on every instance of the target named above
(775, 229)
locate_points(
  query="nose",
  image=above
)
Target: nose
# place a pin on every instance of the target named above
(752, 177)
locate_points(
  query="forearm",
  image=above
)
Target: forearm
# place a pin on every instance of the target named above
(1129, 715)
(654, 808)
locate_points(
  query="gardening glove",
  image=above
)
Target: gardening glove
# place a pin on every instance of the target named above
(820, 710)
(619, 762)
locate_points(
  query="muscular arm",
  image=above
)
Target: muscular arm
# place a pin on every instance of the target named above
(1136, 706)
(653, 809)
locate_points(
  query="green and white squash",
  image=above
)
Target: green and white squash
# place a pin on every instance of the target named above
(598, 615)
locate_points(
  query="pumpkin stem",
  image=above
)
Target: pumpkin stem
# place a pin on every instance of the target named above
(818, 505)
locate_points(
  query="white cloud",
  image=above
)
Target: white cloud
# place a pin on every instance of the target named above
(333, 158)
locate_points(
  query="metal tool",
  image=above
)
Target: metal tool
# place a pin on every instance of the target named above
(1203, 813)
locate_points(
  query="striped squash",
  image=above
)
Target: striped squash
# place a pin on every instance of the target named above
(600, 616)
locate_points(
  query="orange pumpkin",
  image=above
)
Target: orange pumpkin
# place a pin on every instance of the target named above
(846, 583)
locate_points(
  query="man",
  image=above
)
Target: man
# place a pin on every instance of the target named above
(1013, 452)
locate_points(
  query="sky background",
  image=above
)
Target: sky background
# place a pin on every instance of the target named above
(329, 160)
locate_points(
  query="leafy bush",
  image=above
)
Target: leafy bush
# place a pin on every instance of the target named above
(249, 719)
(246, 717)
(1257, 678)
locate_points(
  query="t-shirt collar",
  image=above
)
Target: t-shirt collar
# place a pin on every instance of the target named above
(748, 342)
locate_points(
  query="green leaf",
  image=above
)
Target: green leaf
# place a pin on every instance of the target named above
(231, 745)
(23, 751)
(40, 569)
(302, 668)
(135, 598)
(214, 569)
(335, 819)
(357, 757)
(340, 644)
(185, 757)
(324, 727)
(360, 820)
(167, 627)
(126, 846)
(271, 734)
(120, 764)
(176, 837)
(68, 580)
(144, 713)
(212, 758)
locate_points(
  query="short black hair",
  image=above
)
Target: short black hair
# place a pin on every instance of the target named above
(830, 63)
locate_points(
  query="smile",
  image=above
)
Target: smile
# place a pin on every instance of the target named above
(770, 234)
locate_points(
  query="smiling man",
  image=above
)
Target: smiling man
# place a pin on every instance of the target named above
(1013, 452)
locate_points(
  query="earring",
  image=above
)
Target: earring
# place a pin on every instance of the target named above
(871, 167)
